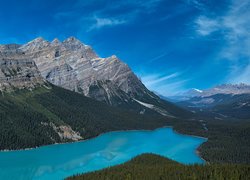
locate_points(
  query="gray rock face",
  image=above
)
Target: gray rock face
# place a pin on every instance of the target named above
(75, 66)
(108, 92)
(17, 71)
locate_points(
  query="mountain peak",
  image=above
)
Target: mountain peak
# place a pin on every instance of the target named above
(190, 93)
(196, 90)
(72, 39)
(38, 40)
(73, 43)
(35, 45)
(114, 57)
(56, 42)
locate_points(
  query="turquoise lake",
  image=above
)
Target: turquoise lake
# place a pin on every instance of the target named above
(63, 160)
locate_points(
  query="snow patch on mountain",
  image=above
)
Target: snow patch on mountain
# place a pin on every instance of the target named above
(155, 108)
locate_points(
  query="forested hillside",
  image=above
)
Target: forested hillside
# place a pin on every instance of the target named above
(48, 115)
(154, 167)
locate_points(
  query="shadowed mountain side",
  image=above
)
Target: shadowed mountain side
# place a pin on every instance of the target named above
(50, 114)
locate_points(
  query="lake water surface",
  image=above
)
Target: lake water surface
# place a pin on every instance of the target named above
(63, 160)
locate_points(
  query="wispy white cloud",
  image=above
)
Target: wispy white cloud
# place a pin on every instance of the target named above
(165, 84)
(234, 24)
(105, 14)
(243, 76)
(158, 57)
(172, 89)
(102, 22)
(206, 26)
(153, 80)
(234, 27)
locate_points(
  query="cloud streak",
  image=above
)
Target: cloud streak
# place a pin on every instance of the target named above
(164, 84)
(206, 26)
(158, 57)
(103, 22)
(99, 14)
(234, 27)
(153, 80)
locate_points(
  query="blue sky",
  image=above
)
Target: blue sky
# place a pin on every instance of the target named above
(171, 45)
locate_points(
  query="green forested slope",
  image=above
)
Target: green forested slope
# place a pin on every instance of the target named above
(23, 115)
(228, 140)
(154, 167)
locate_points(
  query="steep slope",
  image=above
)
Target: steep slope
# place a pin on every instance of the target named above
(237, 106)
(34, 112)
(53, 115)
(75, 66)
(17, 72)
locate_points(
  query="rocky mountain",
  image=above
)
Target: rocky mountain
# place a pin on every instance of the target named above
(233, 89)
(75, 66)
(227, 89)
(17, 71)
(34, 112)
(226, 100)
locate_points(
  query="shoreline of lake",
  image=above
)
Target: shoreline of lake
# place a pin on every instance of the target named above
(83, 140)
(105, 150)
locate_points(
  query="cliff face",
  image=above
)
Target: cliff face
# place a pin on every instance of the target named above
(17, 71)
(75, 66)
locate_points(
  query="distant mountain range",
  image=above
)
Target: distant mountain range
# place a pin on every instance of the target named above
(227, 100)
(233, 89)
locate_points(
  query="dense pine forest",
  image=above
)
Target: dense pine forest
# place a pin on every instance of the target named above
(228, 140)
(154, 167)
(22, 112)
(24, 115)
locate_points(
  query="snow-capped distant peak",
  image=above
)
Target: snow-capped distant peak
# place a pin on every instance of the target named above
(198, 90)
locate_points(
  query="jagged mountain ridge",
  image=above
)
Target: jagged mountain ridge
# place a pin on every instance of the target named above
(225, 101)
(227, 89)
(75, 66)
(219, 89)
(34, 112)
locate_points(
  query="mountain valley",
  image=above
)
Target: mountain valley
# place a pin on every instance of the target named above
(221, 102)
